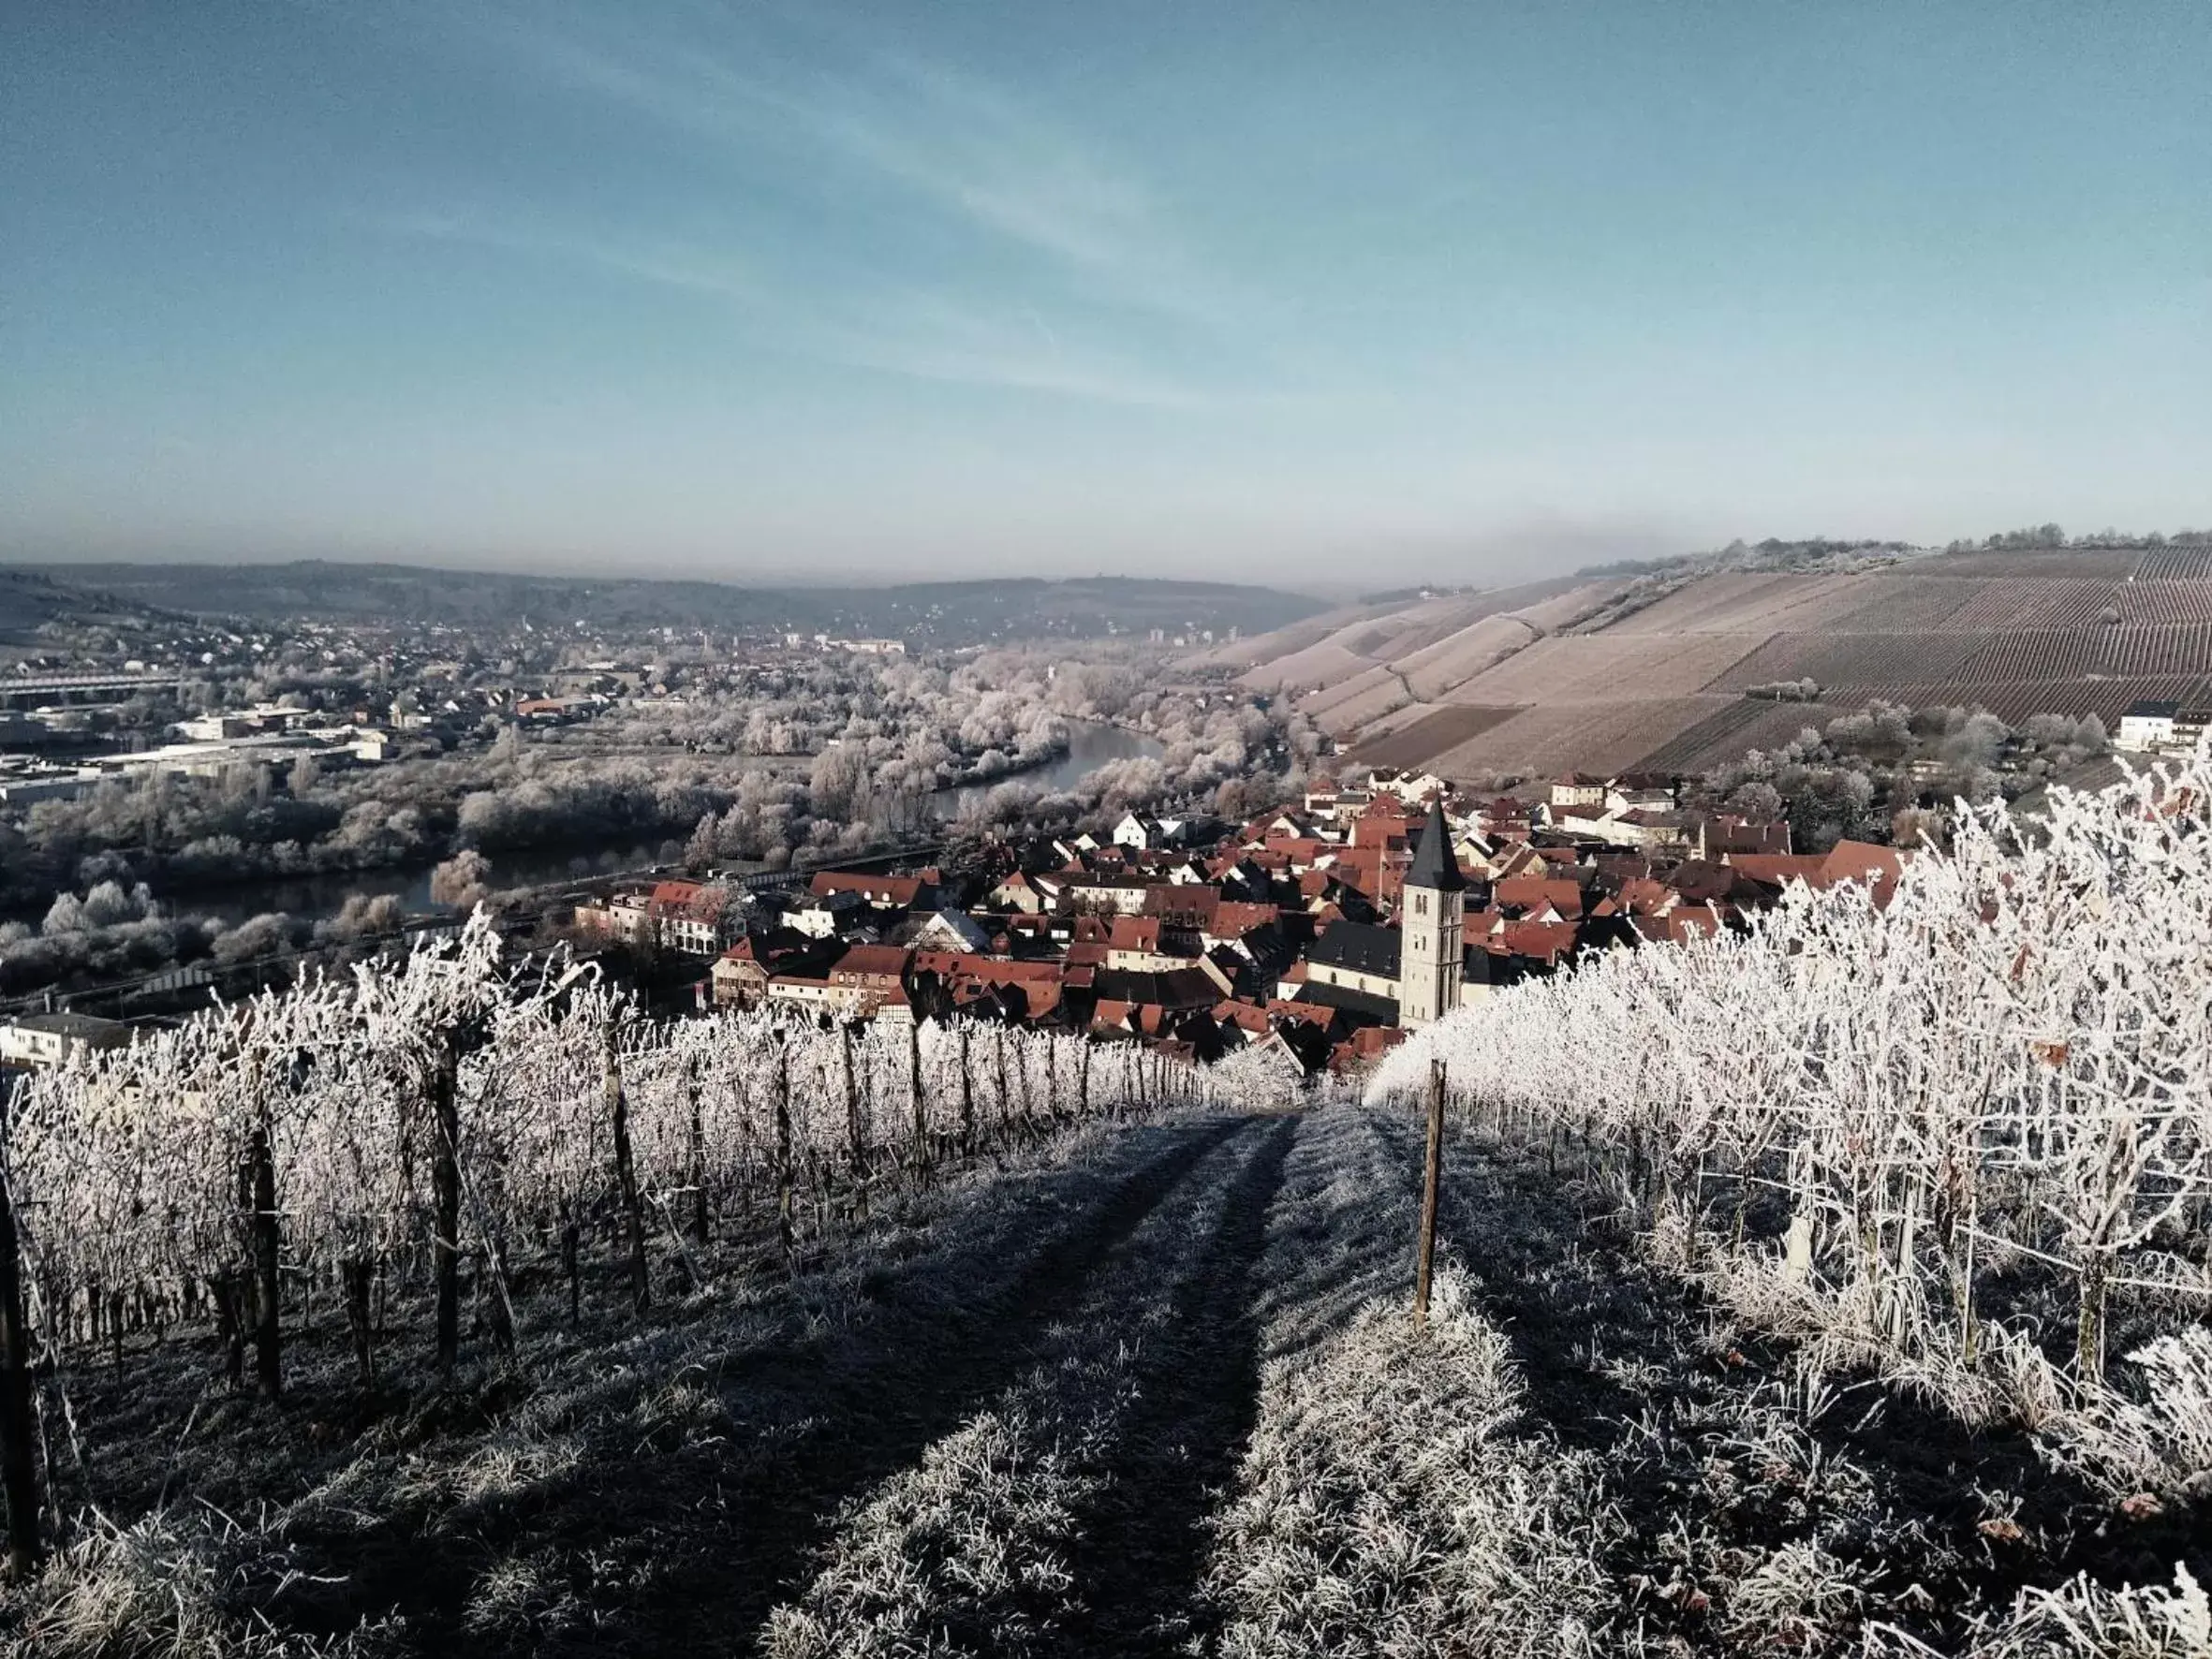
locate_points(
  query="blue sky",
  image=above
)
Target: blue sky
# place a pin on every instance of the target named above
(1302, 293)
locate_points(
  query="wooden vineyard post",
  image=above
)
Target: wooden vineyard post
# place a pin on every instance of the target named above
(787, 1230)
(626, 1180)
(268, 1335)
(18, 1474)
(1029, 1125)
(1432, 1177)
(1006, 1105)
(444, 1171)
(855, 1129)
(914, 1095)
(698, 1152)
(1082, 1082)
(571, 1237)
(967, 1099)
(356, 1273)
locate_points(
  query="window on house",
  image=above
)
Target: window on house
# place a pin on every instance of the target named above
(1420, 903)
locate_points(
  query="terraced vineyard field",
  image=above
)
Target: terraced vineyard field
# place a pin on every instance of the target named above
(2074, 632)
(1437, 732)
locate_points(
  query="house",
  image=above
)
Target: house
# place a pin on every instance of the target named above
(33, 1041)
(1146, 833)
(1100, 894)
(1277, 1061)
(1722, 835)
(741, 975)
(1412, 788)
(1149, 945)
(625, 916)
(1359, 1051)
(952, 930)
(2162, 728)
(1018, 892)
(1639, 792)
(824, 915)
(865, 981)
(699, 918)
(1877, 867)
(1648, 827)
(1576, 790)
(876, 975)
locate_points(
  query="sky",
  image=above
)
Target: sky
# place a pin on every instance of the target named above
(1324, 296)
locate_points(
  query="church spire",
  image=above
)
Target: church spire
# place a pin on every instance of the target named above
(1433, 865)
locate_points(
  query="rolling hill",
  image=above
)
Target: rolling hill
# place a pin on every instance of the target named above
(36, 611)
(1665, 670)
(928, 613)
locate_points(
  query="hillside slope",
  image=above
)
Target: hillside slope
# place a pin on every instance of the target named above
(1611, 674)
(949, 612)
(38, 612)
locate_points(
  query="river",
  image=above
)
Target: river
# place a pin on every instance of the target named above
(1090, 746)
(316, 897)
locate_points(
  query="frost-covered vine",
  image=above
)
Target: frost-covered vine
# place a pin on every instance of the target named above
(454, 1104)
(1871, 1125)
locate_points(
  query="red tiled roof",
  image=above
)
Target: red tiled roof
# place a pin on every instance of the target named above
(1533, 893)
(1134, 933)
(871, 961)
(1779, 869)
(1233, 919)
(898, 890)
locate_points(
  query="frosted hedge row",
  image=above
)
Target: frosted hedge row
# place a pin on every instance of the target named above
(1879, 1112)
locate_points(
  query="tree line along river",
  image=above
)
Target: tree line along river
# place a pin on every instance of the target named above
(314, 897)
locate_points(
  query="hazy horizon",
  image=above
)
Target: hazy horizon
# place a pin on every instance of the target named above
(1294, 296)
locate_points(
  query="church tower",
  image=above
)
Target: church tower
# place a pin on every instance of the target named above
(1430, 952)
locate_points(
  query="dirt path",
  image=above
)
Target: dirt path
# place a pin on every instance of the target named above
(831, 1418)
(1064, 1514)
(1141, 1553)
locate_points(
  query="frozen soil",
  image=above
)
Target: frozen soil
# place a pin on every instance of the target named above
(1135, 1391)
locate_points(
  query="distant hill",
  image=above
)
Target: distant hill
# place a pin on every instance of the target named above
(31, 600)
(958, 612)
(1660, 668)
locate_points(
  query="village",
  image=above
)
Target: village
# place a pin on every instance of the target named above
(1321, 933)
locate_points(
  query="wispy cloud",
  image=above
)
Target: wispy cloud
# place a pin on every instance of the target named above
(911, 333)
(868, 138)
(929, 337)
(947, 139)
(667, 264)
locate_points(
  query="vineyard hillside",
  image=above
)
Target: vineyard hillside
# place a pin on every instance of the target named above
(1674, 673)
(1836, 1287)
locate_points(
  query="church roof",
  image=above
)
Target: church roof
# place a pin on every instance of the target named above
(1358, 948)
(1434, 866)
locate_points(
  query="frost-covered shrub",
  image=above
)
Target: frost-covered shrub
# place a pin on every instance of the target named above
(1854, 1117)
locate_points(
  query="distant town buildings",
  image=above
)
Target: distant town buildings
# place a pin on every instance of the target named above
(1320, 930)
(858, 647)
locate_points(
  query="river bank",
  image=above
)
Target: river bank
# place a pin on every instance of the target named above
(316, 898)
